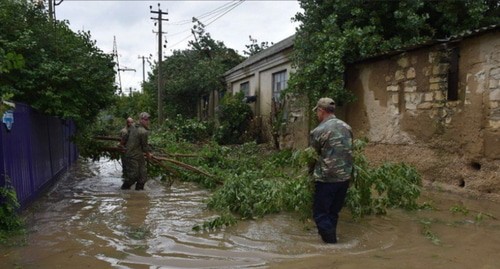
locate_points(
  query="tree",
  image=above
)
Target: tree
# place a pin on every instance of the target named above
(10, 61)
(64, 73)
(255, 47)
(335, 32)
(193, 73)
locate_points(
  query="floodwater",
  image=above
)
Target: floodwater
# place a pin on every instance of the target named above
(86, 221)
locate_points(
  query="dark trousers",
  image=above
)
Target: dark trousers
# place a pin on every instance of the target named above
(328, 201)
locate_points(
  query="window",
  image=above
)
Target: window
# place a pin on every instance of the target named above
(279, 84)
(245, 88)
(453, 75)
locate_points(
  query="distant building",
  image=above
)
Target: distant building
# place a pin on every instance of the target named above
(263, 77)
(446, 92)
(434, 105)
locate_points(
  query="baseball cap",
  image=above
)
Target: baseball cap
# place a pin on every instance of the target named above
(144, 115)
(324, 103)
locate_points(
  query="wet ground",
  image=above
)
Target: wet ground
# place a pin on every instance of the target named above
(86, 221)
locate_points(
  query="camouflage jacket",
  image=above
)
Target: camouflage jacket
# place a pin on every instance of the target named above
(124, 135)
(137, 142)
(332, 140)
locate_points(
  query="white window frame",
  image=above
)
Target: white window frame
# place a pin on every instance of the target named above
(245, 88)
(280, 83)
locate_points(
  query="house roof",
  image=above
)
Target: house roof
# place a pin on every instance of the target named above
(453, 38)
(474, 32)
(274, 49)
(289, 41)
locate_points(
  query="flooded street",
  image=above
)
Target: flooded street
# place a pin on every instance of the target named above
(86, 221)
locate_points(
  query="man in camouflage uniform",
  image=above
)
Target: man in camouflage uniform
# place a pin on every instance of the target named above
(124, 132)
(332, 140)
(136, 147)
(123, 141)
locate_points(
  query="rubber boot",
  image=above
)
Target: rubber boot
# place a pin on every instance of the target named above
(125, 186)
(328, 237)
(139, 186)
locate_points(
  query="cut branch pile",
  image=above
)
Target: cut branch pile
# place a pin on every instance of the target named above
(181, 164)
(161, 159)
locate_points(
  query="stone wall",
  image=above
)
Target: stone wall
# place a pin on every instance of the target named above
(404, 98)
(404, 107)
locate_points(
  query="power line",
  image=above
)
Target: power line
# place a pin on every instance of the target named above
(214, 13)
(234, 5)
(239, 3)
(217, 10)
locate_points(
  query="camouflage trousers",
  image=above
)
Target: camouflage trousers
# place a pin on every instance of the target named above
(134, 172)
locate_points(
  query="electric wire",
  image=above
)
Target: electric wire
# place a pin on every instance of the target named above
(183, 22)
(233, 6)
(212, 14)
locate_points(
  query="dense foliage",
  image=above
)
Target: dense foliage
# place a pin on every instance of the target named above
(192, 74)
(131, 105)
(250, 180)
(46, 65)
(234, 120)
(374, 189)
(10, 222)
(189, 130)
(53, 69)
(10, 61)
(334, 33)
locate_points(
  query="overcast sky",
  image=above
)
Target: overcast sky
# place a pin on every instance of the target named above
(231, 22)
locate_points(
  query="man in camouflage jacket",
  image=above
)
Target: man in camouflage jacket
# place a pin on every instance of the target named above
(136, 148)
(332, 140)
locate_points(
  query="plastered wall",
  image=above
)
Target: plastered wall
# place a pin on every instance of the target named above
(403, 98)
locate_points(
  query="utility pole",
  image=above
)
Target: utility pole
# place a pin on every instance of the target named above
(51, 12)
(143, 66)
(160, 33)
(52, 8)
(118, 68)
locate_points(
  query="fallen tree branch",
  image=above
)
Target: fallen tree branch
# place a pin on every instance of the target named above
(113, 149)
(157, 160)
(176, 155)
(107, 138)
(169, 169)
(162, 153)
(183, 165)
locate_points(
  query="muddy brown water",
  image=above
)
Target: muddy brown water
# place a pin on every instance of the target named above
(86, 221)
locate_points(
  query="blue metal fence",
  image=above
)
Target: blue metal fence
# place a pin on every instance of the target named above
(34, 151)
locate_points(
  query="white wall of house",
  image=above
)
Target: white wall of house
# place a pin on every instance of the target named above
(258, 71)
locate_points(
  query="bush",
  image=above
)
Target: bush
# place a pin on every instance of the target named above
(373, 190)
(190, 130)
(10, 222)
(234, 118)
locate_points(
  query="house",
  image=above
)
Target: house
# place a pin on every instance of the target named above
(262, 77)
(445, 91)
(441, 97)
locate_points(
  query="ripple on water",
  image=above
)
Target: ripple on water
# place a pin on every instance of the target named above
(87, 217)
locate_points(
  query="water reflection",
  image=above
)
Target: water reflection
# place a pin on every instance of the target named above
(86, 221)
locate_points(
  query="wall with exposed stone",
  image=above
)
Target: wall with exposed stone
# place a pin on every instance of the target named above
(404, 98)
(404, 108)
